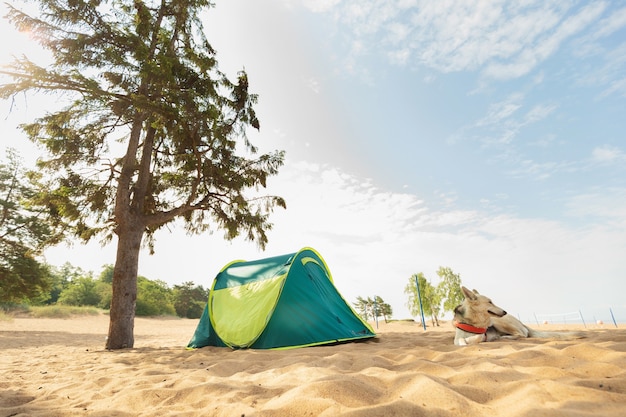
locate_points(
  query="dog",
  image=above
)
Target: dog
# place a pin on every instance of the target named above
(479, 320)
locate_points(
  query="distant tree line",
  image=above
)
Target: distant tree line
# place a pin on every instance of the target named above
(71, 286)
(372, 308)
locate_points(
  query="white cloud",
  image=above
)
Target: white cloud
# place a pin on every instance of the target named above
(616, 87)
(536, 170)
(504, 110)
(501, 39)
(320, 5)
(614, 22)
(608, 203)
(608, 154)
(546, 44)
(504, 120)
(400, 57)
(609, 61)
(398, 32)
(539, 112)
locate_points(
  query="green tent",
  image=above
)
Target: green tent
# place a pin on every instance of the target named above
(277, 303)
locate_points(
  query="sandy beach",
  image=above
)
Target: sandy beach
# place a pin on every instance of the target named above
(59, 367)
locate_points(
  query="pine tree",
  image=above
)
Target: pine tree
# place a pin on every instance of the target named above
(140, 75)
(23, 235)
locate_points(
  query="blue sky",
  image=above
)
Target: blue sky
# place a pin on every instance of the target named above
(488, 137)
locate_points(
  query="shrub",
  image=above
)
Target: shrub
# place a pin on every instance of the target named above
(153, 298)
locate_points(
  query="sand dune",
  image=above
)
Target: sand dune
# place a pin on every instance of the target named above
(58, 367)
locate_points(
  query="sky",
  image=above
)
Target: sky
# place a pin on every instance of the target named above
(487, 136)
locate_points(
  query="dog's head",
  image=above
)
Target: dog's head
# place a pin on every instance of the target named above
(476, 309)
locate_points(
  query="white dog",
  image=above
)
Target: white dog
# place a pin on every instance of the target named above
(478, 320)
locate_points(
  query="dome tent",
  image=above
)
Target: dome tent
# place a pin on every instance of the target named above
(281, 302)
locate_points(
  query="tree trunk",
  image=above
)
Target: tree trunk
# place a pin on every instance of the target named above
(122, 313)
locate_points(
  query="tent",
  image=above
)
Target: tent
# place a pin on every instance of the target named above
(281, 302)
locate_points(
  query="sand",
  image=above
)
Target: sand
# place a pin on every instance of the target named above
(59, 367)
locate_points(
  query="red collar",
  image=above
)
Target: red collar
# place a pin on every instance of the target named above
(470, 328)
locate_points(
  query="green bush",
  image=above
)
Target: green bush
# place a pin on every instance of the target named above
(80, 292)
(153, 298)
(189, 300)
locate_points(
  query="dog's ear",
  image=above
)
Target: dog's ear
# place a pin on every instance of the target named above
(459, 311)
(468, 294)
(475, 292)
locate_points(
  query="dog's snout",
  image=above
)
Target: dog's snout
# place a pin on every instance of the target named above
(498, 312)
